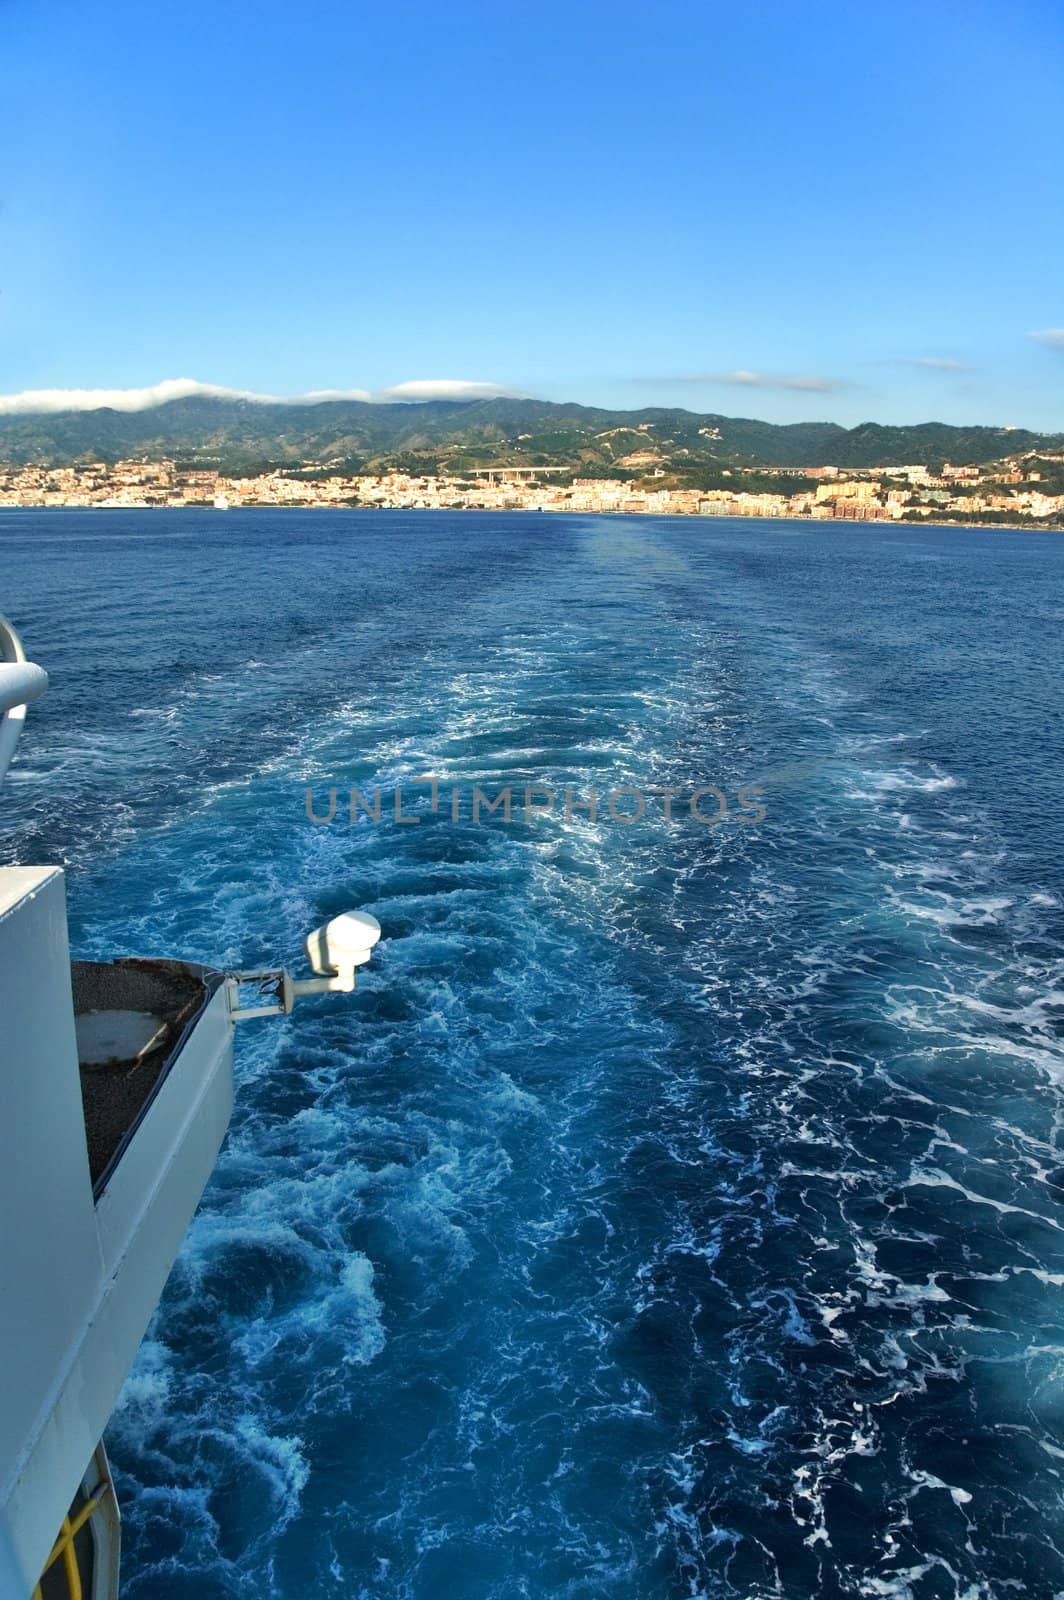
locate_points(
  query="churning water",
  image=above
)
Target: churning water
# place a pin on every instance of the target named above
(676, 1210)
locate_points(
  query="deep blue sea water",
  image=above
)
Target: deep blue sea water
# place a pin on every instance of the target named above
(675, 1210)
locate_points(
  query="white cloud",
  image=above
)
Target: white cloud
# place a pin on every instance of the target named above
(444, 389)
(937, 364)
(742, 379)
(1053, 337)
(155, 394)
(35, 401)
(767, 380)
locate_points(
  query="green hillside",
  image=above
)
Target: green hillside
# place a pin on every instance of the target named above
(455, 436)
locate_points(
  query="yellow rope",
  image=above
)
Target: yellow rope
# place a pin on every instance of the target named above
(70, 1561)
(64, 1546)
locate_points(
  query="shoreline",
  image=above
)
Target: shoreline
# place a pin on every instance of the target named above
(1032, 526)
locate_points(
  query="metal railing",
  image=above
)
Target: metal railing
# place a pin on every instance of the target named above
(20, 683)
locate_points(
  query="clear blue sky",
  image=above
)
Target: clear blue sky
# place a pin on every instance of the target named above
(622, 203)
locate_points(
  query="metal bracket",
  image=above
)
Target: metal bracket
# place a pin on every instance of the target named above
(270, 983)
(283, 990)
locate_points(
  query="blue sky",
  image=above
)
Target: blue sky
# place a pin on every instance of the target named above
(814, 209)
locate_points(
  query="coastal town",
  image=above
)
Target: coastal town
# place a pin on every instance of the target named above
(1017, 490)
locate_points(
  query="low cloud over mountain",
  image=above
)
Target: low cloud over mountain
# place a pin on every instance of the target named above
(30, 402)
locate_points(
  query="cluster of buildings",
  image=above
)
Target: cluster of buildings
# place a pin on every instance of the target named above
(1007, 490)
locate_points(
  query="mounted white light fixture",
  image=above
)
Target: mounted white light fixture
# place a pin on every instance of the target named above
(334, 951)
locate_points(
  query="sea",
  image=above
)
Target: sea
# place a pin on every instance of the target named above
(676, 1209)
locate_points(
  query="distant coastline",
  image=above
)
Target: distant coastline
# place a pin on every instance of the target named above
(957, 524)
(1021, 491)
(507, 454)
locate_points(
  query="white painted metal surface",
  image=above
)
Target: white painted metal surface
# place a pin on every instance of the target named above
(79, 1281)
(343, 944)
(20, 682)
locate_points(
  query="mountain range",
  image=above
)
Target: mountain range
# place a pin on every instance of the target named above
(453, 436)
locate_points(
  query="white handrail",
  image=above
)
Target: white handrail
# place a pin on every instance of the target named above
(20, 682)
